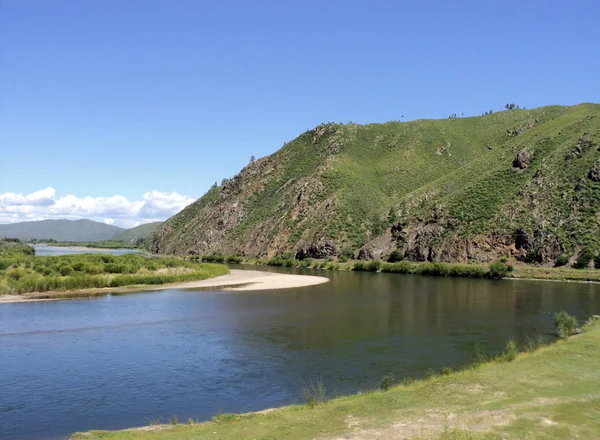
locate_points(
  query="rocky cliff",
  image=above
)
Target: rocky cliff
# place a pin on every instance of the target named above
(522, 183)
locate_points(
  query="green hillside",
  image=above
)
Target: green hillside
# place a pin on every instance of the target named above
(522, 183)
(60, 230)
(140, 232)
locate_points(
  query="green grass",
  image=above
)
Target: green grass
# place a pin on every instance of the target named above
(20, 273)
(552, 393)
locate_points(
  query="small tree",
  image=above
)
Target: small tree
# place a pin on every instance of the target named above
(252, 159)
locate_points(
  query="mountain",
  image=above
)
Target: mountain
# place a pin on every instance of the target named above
(60, 230)
(522, 183)
(134, 234)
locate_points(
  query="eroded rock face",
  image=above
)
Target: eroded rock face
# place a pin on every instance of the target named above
(594, 173)
(319, 250)
(523, 159)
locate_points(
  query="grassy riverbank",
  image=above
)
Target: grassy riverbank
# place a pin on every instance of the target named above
(21, 273)
(500, 269)
(553, 392)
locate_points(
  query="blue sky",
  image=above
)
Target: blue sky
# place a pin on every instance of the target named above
(121, 98)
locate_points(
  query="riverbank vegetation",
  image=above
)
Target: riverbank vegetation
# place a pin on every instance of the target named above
(22, 273)
(529, 390)
(495, 270)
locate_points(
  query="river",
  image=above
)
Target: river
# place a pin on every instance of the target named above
(125, 360)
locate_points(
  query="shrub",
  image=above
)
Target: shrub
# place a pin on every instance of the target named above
(287, 255)
(565, 324)
(562, 260)
(342, 259)
(4, 264)
(480, 356)
(374, 266)
(583, 260)
(17, 274)
(313, 393)
(386, 382)
(510, 351)
(446, 371)
(66, 270)
(360, 266)
(400, 267)
(347, 253)
(234, 259)
(395, 256)
(93, 269)
(597, 261)
(533, 257)
(467, 270)
(500, 270)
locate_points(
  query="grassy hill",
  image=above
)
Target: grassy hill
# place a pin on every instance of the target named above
(60, 230)
(521, 183)
(140, 232)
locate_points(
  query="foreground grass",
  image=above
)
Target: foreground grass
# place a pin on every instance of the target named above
(553, 393)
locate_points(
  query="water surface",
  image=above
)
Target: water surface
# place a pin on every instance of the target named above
(42, 251)
(121, 361)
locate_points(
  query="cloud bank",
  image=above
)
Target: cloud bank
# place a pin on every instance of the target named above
(118, 210)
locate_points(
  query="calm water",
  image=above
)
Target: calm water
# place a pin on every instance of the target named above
(122, 361)
(59, 250)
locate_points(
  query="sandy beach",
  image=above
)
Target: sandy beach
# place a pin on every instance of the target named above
(237, 280)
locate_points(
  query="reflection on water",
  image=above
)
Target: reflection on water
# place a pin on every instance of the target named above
(122, 361)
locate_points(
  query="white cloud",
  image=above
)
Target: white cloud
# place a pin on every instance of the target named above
(118, 210)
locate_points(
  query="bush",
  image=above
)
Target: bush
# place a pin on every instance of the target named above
(360, 266)
(565, 324)
(446, 371)
(4, 264)
(510, 351)
(500, 270)
(17, 274)
(234, 259)
(313, 393)
(583, 260)
(346, 253)
(374, 266)
(401, 267)
(396, 256)
(562, 260)
(386, 382)
(66, 270)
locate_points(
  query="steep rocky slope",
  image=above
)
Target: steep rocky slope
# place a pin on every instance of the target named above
(521, 182)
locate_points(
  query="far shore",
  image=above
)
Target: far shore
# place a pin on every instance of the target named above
(237, 280)
(84, 248)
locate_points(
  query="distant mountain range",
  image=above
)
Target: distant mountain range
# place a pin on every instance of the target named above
(74, 230)
(134, 234)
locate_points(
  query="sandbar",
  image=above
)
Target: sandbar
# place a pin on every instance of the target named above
(237, 280)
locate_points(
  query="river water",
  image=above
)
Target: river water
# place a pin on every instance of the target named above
(121, 361)
(44, 251)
